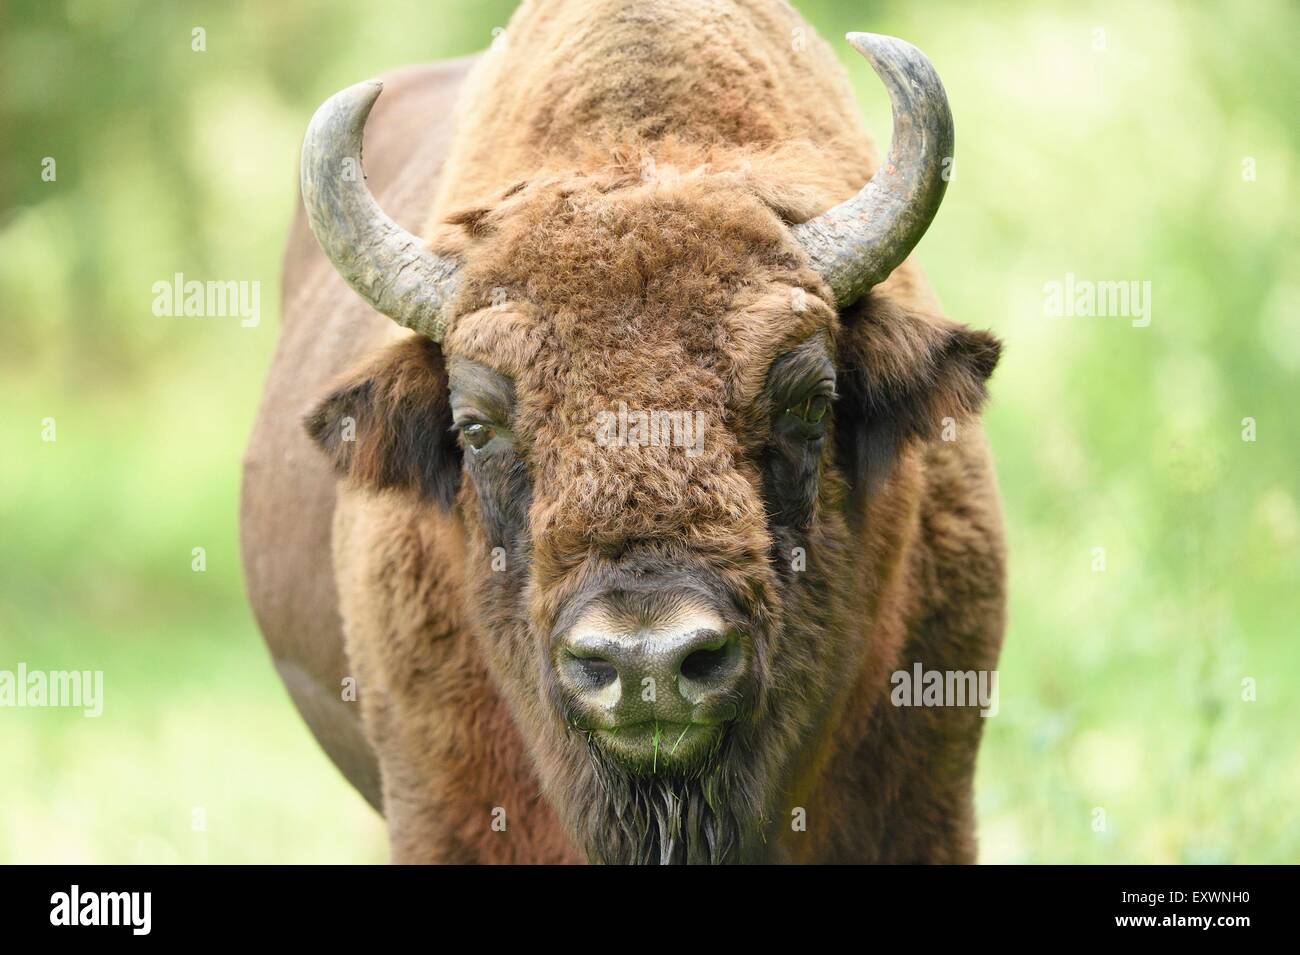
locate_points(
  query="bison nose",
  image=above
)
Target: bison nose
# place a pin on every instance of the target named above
(673, 676)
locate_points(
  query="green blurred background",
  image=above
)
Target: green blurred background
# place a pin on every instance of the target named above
(1110, 140)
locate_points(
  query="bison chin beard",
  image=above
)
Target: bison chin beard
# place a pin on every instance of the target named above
(711, 815)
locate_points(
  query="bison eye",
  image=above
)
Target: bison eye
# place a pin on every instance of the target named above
(816, 407)
(812, 409)
(476, 434)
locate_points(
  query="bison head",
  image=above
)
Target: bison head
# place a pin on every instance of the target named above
(664, 402)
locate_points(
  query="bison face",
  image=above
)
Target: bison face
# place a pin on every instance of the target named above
(641, 378)
(675, 413)
(670, 457)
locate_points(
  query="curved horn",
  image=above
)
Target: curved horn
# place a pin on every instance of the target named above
(386, 265)
(856, 244)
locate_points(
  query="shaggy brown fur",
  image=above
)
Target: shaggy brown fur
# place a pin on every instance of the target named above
(620, 188)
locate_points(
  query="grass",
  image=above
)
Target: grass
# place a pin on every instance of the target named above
(685, 729)
(198, 757)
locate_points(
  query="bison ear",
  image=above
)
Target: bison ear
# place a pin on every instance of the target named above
(903, 376)
(387, 424)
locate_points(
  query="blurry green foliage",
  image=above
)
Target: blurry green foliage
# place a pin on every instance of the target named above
(1109, 140)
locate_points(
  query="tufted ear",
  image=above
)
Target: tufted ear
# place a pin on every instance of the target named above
(901, 374)
(387, 423)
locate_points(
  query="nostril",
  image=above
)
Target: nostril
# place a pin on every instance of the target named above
(595, 672)
(706, 666)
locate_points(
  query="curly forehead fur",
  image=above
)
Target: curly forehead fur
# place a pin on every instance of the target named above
(669, 291)
(693, 260)
(652, 218)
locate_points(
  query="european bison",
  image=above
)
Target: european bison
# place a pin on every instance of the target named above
(665, 462)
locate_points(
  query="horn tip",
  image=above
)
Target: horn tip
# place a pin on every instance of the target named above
(369, 89)
(866, 43)
(363, 94)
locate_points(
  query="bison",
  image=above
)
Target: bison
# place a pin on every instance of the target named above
(624, 491)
